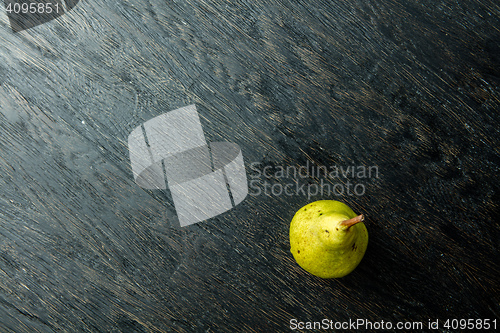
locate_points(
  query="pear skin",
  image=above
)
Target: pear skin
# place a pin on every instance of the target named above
(328, 239)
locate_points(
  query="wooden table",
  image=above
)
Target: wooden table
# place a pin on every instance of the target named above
(410, 88)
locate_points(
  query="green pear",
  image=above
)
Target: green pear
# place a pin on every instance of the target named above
(328, 239)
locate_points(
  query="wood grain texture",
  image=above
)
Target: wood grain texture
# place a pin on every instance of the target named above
(411, 87)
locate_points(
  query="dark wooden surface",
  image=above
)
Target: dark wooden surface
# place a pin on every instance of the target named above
(411, 87)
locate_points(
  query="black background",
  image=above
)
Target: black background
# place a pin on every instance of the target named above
(408, 86)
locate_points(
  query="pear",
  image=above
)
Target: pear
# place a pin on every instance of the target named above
(328, 239)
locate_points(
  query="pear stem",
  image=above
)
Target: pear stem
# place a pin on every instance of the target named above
(349, 223)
